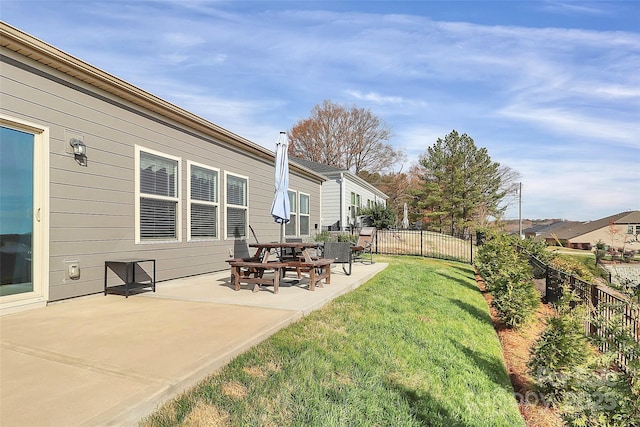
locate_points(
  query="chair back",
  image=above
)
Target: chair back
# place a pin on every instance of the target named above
(241, 249)
(338, 251)
(365, 238)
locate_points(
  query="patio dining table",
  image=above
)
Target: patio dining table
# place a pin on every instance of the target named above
(251, 270)
(299, 250)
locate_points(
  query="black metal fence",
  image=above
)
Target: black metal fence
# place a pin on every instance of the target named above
(429, 244)
(611, 315)
(424, 243)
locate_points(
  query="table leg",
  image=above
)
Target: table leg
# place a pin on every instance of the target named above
(276, 280)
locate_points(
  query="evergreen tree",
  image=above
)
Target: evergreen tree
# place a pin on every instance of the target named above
(460, 183)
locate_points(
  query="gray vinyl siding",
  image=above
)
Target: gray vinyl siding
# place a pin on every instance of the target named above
(364, 193)
(92, 208)
(330, 202)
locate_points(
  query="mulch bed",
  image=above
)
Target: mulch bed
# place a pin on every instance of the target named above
(515, 350)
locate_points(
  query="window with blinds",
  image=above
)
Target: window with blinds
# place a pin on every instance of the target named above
(305, 228)
(203, 202)
(291, 228)
(237, 206)
(158, 192)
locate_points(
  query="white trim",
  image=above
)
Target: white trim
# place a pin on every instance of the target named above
(177, 199)
(40, 243)
(293, 213)
(300, 214)
(216, 203)
(227, 205)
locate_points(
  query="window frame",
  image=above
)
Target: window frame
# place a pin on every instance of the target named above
(228, 205)
(39, 295)
(139, 195)
(354, 207)
(293, 217)
(301, 214)
(191, 201)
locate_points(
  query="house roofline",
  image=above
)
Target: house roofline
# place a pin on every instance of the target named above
(37, 50)
(337, 172)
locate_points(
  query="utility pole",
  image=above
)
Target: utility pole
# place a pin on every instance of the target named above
(520, 211)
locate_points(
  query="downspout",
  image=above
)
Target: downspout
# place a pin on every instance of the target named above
(342, 212)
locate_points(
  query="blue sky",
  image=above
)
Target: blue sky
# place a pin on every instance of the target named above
(550, 88)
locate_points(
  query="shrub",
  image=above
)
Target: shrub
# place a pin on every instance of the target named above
(585, 387)
(383, 217)
(599, 397)
(323, 236)
(560, 350)
(327, 236)
(536, 248)
(572, 266)
(508, 277)
(514, 296)
(493, 257)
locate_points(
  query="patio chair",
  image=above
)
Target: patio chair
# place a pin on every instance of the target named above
(364, 245)
(340, 252)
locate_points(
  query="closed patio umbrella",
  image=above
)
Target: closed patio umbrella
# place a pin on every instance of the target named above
(405, 220)
(280, 208)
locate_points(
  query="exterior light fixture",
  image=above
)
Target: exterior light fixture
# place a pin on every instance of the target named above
(79, 149)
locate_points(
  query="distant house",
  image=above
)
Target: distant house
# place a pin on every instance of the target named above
(547, 230)
(343, 195)
(616, 231)
(95, 169)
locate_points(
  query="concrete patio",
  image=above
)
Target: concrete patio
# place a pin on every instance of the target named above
(106, 360)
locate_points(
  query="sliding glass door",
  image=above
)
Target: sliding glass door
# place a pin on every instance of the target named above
(17, 149)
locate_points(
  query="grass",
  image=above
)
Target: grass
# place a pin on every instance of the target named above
(414, 346)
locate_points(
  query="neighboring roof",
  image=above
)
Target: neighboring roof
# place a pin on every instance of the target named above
(571, 230)
(559, 230)
(541, 228)
(631, 217)
(332, 172)
(26, 45)
(318, 167)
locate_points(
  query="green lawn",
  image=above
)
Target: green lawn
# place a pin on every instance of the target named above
(412, 347)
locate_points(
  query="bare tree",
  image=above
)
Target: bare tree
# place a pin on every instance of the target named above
(509, 185)
(347, 138)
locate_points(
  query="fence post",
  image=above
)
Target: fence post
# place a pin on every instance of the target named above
(421, 252)
(546, 283)
(594, 303)
(471, 246)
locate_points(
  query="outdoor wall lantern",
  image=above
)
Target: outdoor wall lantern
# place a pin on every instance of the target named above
(79, 150)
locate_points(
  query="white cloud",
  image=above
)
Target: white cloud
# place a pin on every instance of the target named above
(545, 101)
(374, 97)
(182, 40)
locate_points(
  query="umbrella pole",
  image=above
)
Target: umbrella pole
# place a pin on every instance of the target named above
(282, 232)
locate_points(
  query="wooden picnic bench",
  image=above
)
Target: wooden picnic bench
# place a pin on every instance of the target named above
(251, 271)
(318, 270)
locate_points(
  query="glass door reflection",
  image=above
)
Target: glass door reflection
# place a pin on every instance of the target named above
(16, 211)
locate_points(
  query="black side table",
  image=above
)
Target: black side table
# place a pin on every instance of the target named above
(129, 266)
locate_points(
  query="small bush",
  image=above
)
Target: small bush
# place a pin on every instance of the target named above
(560, 350)
(508, 277)
(536, 248)
(323, 236)
(585, 387)
(599, 397)
(575, 267)
(493, 258)
(514, 296)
